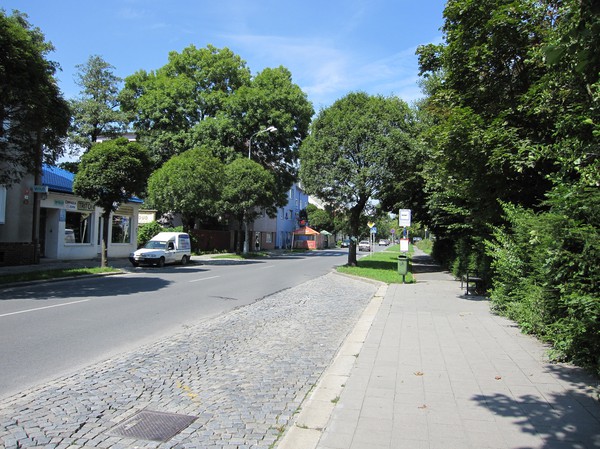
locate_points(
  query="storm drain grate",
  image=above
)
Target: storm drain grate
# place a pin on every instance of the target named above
(153, 426)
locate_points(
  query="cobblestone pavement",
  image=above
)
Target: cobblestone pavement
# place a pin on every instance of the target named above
(243, 375)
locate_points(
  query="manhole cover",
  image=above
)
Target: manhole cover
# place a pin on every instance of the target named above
(153, 426)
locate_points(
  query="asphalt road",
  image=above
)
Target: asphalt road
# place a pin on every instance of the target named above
(53, 329)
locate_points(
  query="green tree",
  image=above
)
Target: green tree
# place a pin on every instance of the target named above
(269, 99)
(208, 97)
(109, 174)
(319, 219)
(189, 184)
(479, 138)
(165, 105)
(353, 151)
(249, 189)
(513, 146)
(34, 116)
(96, 112)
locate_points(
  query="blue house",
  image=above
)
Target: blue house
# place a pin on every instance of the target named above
(277, 232)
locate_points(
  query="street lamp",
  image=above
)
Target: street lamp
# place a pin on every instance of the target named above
(270, 129)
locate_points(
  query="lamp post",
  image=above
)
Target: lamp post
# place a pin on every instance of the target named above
(270, 129)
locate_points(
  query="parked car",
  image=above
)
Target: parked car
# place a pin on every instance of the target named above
(163, 248)
(383, 242)
(345, 243)
(364, 245)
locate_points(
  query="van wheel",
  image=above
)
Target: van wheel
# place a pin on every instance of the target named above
(161, 262)
(184, 260)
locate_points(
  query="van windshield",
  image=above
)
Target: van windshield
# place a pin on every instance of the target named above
(155, 244)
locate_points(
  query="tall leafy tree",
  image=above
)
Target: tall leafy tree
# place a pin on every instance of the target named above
(269, 99)
(480, 137)
(513, 147)
(208, 97)
(248, 190)
(97, 111)
(109, 174)
(354, 150)
(165, 105)
(319, 219)
(34, 116)
(189, 184)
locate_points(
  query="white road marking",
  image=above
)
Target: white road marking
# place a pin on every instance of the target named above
(42, 308)
(204, 279)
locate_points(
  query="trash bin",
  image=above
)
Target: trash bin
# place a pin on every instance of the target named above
(402, 265)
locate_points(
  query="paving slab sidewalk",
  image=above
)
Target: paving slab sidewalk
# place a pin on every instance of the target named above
(437, 369)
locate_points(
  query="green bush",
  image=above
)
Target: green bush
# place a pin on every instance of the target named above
(149, 230)
(547, 276)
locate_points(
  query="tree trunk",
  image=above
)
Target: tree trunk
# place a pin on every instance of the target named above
(246, 237)
(104, 250)
(355, 213)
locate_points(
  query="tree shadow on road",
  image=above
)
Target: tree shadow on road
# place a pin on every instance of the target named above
(88, 287)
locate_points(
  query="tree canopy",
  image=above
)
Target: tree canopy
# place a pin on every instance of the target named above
(109, 174)
(97, 111)
(165, 105)
(511, 172)
(208, 97)
(355, 149)
(249, 189)
(33, 113)
(189, 184)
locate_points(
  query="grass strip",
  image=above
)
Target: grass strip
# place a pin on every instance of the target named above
(381, 266)
(53, 274)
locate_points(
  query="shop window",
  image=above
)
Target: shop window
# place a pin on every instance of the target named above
(78, 227)
(121, 229)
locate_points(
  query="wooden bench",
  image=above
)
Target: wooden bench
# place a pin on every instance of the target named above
(472, 283)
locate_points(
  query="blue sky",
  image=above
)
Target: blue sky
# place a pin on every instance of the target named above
(331, 47)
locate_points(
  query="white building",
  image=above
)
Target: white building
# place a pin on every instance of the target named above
(70, 226)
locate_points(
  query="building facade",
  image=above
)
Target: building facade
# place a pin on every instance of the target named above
(277, 232)
(70, 226)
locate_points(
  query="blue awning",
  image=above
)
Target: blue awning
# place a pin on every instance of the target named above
(59, 180)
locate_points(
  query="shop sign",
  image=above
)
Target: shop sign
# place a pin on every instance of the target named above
(146, 217)
(59, 202)
(70, 205)
(85, 205)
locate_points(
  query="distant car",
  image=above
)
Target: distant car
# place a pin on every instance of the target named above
(345, 243)
(417, 239)
(383, 242)
(364, 245)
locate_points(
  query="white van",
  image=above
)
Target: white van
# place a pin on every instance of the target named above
(164, 247)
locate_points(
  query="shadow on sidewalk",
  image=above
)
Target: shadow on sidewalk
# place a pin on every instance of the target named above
(424, 263)
(569, 419)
